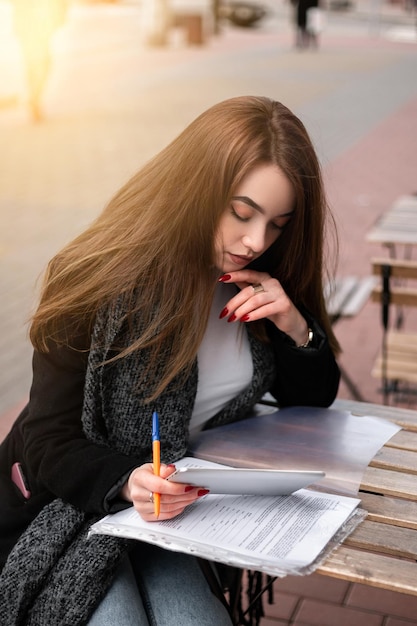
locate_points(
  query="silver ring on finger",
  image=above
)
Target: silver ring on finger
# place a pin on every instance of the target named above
(257, 288)
(151, 497)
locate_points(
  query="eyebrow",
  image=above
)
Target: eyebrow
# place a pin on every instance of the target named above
(257, 207)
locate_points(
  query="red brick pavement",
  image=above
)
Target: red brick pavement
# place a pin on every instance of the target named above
(317, 600)
(362, 183)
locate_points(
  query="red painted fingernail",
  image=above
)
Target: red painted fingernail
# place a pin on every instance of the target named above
(245, 318)
(232, 318)
(203, 492)
(225, 277)
(188, 488)
(224, 313)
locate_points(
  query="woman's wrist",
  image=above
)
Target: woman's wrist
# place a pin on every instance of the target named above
(308, 341)
(125, 492)
(301, 334)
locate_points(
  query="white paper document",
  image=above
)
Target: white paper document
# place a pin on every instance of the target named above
(278, 535)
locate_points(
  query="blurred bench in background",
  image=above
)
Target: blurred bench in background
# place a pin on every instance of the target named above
(345, 297)
(396, 364)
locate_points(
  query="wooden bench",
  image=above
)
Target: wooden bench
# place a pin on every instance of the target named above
(345, 297)
(396, 364)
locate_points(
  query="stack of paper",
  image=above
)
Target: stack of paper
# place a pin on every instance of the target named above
(279, 535)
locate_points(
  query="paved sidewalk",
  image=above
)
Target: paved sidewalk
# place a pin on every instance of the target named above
(111, 103)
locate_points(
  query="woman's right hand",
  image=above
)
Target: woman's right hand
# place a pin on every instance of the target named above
(143, 483)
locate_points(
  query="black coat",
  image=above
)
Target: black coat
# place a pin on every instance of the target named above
(58, 459)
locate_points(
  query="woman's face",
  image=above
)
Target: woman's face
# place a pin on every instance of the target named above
(258, 212)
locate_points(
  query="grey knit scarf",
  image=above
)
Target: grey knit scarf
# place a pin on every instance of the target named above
(56, 573)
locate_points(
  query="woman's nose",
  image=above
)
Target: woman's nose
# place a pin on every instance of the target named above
(255, 240)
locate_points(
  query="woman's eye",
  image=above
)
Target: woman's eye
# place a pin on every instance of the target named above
(239, 215)
(282, 225)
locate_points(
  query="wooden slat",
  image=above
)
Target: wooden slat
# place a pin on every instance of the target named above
(403, 440)
(359, 297)
(337, 292)
(388, 510)
(398, 224)
(389, 483)
(384, 539)
(400, 268)
(401, 341)
(396, 368)
(371, 569)
(394, 233)
(395, 371)
(405, 202)
(346, 295)
(395, 459)
(403, 359)
(400, 359)
(406, 418)
(400, 296)
(404, 356)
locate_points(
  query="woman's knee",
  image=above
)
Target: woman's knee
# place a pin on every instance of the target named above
(175, 590)
(122, 604)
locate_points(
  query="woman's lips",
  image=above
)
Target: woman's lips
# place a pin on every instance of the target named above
(240, 260)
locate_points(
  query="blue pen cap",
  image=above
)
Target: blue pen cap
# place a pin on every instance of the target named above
(155, 426)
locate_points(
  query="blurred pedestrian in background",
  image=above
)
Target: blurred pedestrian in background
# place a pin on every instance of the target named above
(35, 23)
(308, 22)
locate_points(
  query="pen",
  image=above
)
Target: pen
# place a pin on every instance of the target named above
(156, 459)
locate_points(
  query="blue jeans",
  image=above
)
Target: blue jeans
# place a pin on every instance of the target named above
(157, 587)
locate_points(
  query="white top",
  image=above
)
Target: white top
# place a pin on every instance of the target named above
(224, 358)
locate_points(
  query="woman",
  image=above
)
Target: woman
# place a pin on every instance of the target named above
(196, 291)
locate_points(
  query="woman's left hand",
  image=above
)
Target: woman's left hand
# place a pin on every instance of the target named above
(262, 296)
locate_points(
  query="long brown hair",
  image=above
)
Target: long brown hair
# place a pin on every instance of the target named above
(154, 242)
